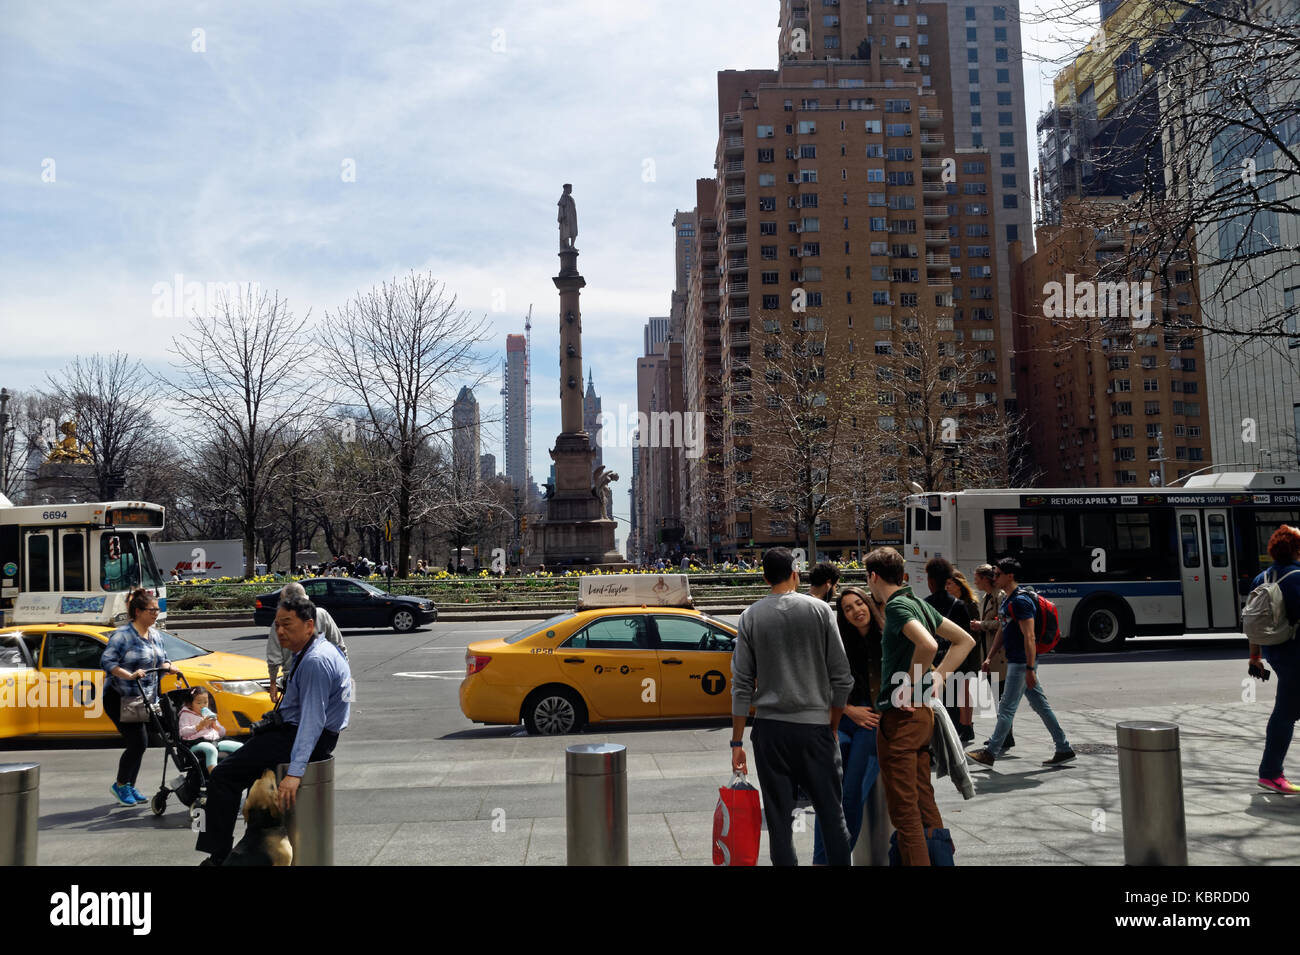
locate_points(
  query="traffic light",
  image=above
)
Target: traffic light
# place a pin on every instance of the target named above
(523, 523)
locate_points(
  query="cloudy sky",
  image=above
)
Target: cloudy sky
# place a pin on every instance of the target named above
(214, 141)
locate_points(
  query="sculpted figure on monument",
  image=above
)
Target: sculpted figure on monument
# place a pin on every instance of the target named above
(568, 218)
(599, 481)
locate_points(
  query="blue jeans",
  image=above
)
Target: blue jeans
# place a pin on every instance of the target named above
(1012, 690)
(1285, 661)
(858, 749)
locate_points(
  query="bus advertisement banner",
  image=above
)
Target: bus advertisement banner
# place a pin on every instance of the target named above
(1165, 499)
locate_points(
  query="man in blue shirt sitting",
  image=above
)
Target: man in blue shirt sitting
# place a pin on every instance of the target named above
(314, 710)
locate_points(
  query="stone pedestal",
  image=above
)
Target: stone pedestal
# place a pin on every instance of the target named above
(64, 482)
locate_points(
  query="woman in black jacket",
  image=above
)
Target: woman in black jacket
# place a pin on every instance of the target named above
(861, 622)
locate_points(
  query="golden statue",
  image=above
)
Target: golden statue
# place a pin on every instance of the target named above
(69, 451)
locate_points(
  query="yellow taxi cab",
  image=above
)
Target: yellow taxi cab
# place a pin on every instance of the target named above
(635, 649)
(51, 682)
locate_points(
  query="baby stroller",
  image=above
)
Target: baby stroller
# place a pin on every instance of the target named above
(192, 785)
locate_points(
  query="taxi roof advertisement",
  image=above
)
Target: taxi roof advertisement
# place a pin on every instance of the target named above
(634, 590)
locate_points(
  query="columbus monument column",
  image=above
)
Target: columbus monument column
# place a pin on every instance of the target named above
(576, 531)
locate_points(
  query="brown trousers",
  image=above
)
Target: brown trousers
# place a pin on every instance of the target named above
(903, 748)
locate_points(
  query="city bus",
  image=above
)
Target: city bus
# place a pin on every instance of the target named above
(1117, 562)
(77, 562)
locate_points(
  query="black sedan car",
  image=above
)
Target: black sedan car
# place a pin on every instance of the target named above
(354, 603)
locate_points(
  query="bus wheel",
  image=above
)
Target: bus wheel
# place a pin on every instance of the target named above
(1102, 626)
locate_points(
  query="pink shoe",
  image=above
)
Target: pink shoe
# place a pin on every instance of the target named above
(1280, 785)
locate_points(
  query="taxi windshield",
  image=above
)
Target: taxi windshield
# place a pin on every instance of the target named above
(539, 627)
(178, 649)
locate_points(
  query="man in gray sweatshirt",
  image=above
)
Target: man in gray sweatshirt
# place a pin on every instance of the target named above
(790, 665)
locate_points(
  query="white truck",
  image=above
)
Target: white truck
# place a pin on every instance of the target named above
(200, 560)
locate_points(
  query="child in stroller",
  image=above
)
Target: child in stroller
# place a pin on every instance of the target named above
(199, 727)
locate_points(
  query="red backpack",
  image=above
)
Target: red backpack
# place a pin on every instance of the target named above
(1047, 622)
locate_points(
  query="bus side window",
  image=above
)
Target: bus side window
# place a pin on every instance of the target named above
(907, 530)
(1191, 541)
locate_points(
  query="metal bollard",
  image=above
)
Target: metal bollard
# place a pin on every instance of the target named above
(595, 803)
(311, 820)
(20, 797)
(1151, 793)
(872, 847)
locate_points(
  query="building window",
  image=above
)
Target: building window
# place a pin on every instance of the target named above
(1010, 201)
(766, 155)
(973, 76)
(1004, 119)
(766, 132)
(1000, 54)
(1006, 140)
(1007, 160)
(976, 119)
(972, 54)
(971, 35)
(999, 34)
(1004, 76)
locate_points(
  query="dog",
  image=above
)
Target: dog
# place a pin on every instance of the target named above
(265, 840)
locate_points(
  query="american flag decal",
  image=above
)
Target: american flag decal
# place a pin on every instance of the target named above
(1008, 525)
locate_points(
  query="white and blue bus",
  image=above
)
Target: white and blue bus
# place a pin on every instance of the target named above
(1117, 562)
(77, 562)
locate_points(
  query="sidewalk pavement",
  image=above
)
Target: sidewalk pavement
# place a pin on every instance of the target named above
(500, 800)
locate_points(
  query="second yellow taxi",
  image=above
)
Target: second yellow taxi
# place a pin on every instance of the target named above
(633, 650)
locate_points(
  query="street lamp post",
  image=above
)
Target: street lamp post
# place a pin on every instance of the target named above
(4, 436)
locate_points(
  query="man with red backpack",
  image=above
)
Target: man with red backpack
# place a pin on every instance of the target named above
(1023, 616)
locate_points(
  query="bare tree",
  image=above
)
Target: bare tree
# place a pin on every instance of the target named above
(934, 419)
(28, 438)
(1195, 127)
(108, 397)
(247, 384)
(801, 438)
(403, 351)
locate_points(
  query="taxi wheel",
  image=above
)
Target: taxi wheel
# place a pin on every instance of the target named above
(554, 711)
(403, 621)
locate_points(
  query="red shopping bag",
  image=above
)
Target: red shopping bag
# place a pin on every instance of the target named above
(737, 824)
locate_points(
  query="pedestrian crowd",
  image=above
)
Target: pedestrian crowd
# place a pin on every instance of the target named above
(873, 685)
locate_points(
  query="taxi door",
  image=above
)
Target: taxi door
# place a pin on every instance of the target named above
(74, 684)
(613, 664)
(19, 680)
(695, 663)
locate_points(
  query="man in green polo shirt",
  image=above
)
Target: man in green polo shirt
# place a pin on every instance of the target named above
(906, 721)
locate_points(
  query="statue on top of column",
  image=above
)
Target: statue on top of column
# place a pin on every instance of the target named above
(568, 219)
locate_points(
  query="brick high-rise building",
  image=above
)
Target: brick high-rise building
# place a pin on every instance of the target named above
(1106, 396)
(841, 178)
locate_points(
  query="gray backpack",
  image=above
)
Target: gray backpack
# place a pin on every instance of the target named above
(1264, 615)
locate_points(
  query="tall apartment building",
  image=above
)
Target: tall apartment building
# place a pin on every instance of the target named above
(1109, 126)
(701, 501)
(514, 394)
(655, 334)
(487, 467)
(841, 177)
(465, 438)
(661, 400)
(1113, 399)
(685, 246)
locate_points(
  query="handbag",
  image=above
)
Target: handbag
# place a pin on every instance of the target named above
(937, 841)
(737, 823)
(133, 710)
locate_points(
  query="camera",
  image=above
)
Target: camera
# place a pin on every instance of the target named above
(272, 721)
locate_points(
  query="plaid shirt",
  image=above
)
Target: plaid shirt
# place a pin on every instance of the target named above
(128, 650)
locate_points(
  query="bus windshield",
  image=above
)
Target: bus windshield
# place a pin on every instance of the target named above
(148, 567)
